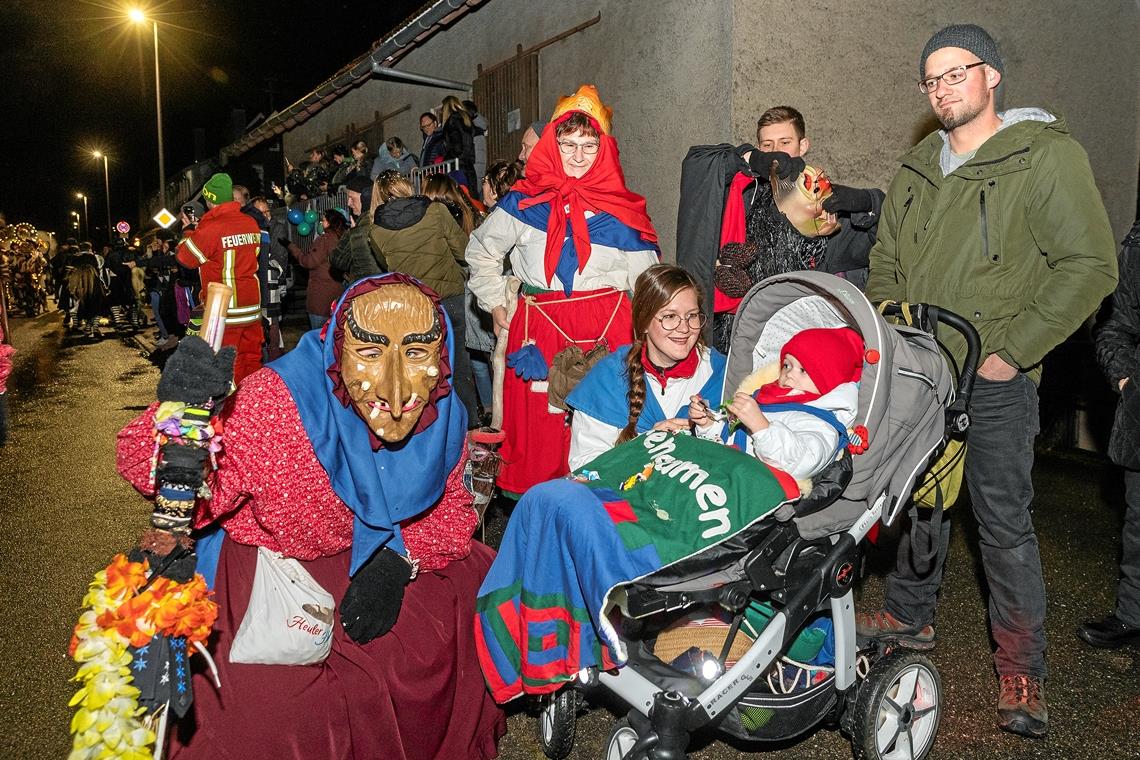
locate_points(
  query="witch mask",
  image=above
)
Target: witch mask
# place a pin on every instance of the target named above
(801, 201)
(390, 362)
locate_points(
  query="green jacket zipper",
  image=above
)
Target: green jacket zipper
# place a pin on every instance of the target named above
(985, 226)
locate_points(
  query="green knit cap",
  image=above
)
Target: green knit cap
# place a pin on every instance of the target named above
(218, 189)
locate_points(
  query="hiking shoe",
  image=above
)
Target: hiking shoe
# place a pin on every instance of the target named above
(1021, 706)
(881, 625)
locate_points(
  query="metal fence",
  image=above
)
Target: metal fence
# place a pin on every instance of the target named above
(418, 174)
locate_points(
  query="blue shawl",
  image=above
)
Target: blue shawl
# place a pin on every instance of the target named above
(602, 393)
(383, 487)
(604, 229)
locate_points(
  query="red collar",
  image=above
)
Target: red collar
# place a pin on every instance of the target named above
(683, 369)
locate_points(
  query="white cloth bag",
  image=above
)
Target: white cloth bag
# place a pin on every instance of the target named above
(290, 616)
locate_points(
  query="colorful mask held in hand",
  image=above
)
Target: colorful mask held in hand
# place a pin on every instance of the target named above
(801, 201)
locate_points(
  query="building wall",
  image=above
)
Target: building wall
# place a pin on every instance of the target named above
(856, 84)
(662, 66)
(685, 72)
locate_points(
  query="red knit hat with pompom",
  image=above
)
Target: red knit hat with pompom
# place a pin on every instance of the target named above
(830, 356)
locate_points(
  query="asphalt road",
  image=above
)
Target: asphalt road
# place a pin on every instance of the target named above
(64, 512)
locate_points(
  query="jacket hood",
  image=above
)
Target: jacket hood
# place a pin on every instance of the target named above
(401, 213)
(1020, 128)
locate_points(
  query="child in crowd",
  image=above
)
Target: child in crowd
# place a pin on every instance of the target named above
(794, 422)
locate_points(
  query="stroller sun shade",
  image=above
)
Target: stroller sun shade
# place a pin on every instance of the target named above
(903, 392)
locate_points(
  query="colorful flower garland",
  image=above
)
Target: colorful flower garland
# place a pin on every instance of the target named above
(126, 608)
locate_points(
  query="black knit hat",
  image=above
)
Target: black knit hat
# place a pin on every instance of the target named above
(966, 36)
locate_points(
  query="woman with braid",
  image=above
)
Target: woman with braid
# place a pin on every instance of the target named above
(647, 384)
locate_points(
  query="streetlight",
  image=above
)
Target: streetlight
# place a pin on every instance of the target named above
(75, 221)
(86, 221)
(106, 186)
(138, 17)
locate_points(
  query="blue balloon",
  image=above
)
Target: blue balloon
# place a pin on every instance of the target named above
(304, 228)
(296, 216)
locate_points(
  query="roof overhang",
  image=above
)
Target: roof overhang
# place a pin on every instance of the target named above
(377, 61)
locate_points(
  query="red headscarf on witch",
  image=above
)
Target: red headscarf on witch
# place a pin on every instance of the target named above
(601, 188)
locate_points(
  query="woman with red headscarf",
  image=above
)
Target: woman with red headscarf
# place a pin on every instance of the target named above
(577, 238)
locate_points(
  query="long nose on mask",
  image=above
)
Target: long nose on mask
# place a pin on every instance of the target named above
(393, 383)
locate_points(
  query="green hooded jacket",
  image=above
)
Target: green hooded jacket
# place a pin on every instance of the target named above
(1016, 239)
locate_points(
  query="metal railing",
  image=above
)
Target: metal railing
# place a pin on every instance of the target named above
(418, 174)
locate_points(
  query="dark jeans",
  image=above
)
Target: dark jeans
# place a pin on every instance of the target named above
(999, 464)
(461, 377)
(1128, 592)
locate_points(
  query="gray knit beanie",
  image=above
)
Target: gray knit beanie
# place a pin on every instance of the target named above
(966, 36)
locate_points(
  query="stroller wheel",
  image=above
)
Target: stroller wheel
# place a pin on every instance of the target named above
(622, 739)
(557, 719)
(898, 708)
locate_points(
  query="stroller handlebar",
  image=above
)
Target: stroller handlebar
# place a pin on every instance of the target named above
(927, 317)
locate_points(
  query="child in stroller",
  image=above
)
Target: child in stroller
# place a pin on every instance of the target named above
(800, 563)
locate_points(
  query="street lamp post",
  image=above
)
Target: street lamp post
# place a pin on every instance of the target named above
(86, 221)
(107, 187)
(140, 18)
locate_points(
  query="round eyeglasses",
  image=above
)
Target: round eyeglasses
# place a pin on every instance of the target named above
(670, 322)
(954, 76)
(569, 148)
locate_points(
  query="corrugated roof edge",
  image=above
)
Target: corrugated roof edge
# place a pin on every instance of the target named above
(414, 30)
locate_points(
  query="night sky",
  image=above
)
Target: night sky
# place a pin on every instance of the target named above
(80, 76)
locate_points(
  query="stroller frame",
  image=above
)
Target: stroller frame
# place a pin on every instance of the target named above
(660, 721)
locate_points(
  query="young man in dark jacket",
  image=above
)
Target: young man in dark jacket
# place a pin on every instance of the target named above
(1117, 345)
(998, 219)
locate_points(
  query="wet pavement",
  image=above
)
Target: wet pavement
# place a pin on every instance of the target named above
(64, 512)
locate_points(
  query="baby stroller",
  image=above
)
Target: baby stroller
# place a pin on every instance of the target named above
(802, 562)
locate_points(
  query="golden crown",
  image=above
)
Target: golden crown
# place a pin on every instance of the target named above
(587, 101)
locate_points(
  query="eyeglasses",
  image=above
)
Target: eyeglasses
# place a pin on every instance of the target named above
(569, 148)
(670, 322)
(954, 76)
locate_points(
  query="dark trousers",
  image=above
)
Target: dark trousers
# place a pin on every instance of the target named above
(999, 463)
(461, 376)
(1128, 592)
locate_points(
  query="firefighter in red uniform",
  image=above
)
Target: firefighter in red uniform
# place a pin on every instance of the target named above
(223, 247)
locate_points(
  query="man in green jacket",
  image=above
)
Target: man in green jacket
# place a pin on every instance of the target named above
(995, 217)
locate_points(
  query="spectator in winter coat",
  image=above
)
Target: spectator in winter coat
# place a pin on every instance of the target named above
(1117, 349)
(324, 289)
(432, 149)
(459, 139)
(480, 130)
(416, 236)
(353, 255)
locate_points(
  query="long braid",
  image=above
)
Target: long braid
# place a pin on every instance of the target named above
(635, 373)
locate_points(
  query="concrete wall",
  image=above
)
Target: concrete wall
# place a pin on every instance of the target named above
(662, 66)
(855, 84)
(684, 72)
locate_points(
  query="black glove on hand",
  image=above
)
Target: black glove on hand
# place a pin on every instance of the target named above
(284, 241)
(849, 200)
(194, 374)
(372, 602)
(786, 166)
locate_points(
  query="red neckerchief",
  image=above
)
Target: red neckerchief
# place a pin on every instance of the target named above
(774, 393)
(684, 369)
(602, 188)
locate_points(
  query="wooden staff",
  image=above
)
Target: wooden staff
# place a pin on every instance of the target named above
(499, 358)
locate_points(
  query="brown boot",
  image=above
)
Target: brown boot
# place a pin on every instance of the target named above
(883, 626)
(1021, 706)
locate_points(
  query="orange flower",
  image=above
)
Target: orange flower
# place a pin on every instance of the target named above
(125, 577)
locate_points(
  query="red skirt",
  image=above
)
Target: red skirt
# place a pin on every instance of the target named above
(537, 444)
(415, 692)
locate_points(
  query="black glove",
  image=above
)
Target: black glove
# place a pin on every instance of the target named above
(786, 166)
(194, 374)
(284, 241)
(372, 602)
(849, 200)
